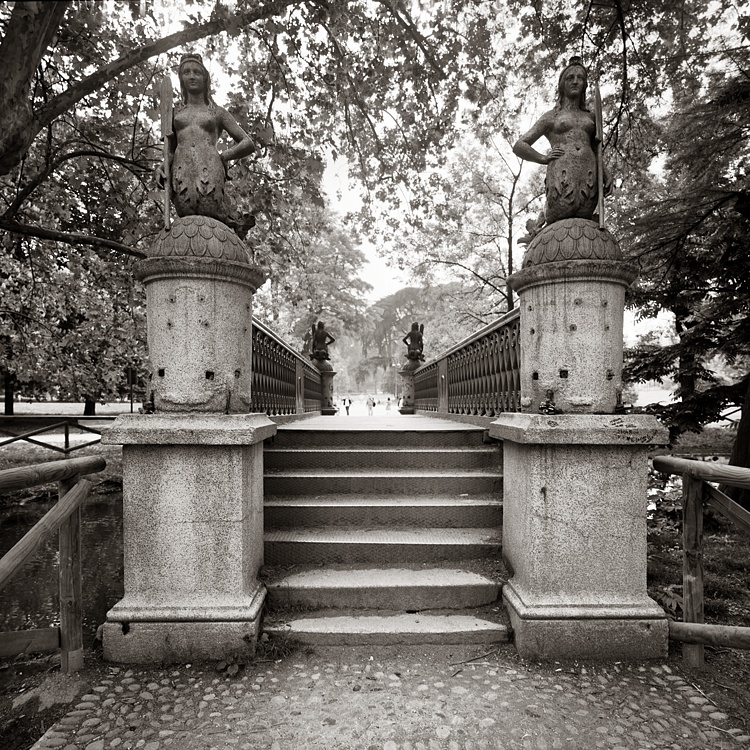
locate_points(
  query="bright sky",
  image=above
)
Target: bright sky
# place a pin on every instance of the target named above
(343, 196)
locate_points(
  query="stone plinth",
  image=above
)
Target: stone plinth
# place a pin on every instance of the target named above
(199, 289)
(328, 406)
(407, 389)
(572, 293)
(193, 537)
(574, 535)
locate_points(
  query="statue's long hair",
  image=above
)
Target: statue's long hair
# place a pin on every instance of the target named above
(196, 58)
(574, 62)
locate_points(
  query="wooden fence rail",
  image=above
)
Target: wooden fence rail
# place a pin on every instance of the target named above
(697, 493)
(27, 427)
(64, 517)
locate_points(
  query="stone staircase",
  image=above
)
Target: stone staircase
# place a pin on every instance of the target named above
(383, 531)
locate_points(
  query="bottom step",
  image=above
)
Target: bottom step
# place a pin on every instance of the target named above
(383, 588)
(389, 630)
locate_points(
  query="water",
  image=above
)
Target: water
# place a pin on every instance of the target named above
(31, 599)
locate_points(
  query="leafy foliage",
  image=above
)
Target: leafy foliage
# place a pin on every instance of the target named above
(691, 241)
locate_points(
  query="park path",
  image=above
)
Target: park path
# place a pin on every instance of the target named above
(460, 698)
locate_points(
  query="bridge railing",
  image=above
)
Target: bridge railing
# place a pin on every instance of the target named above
(478, 377)
(285, 382)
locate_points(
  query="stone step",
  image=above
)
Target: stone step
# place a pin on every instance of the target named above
(325, 545)
(391, 629)
(478, 457)
(375, 510)
(296, 435)
(405, 482)
(382, 588)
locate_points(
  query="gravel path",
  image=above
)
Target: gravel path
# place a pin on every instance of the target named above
(408, 701)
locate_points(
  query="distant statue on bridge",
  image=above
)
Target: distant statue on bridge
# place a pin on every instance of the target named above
(415, 343)
(320, 341)
(576, 179)
(197, 172)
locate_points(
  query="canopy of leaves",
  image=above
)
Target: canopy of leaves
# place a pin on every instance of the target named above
(691, 240)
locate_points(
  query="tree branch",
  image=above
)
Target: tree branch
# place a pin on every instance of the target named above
(69, 238)
(407, 23)
(52, 166)
(21, 126)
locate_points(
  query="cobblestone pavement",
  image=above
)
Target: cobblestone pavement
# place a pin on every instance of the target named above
(410, 700)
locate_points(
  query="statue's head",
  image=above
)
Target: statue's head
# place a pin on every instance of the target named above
(195, 60)
(415, 326)
(574, 65)
(321, 325)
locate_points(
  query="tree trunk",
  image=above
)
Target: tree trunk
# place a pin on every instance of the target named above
(89, 408)
(29, 32)
(685, 369)
(10, 380)
(741, 450)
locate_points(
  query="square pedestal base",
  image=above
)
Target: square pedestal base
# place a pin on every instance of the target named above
(179, 642)
(192, 537)
(585, 636)
(574, 535)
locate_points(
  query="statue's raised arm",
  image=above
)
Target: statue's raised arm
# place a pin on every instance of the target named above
(572, 169)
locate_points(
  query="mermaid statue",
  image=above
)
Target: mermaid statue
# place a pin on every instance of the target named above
(198, 172)
(574, 159)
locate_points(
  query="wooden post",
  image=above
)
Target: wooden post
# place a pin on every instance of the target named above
(599, 155)
(71, 608)
(692, 563)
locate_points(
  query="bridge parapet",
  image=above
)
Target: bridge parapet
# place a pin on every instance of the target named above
(477, 378)
(285, 382)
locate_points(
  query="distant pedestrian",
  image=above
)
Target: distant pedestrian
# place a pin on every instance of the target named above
(347, 404)
(388, 404)
(370, 405)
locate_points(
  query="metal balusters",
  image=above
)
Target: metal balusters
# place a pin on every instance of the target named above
(482, 373)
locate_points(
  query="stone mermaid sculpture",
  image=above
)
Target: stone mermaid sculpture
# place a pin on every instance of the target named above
(572, 165)
(198, 171)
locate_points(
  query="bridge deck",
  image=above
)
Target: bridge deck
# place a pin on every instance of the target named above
(376, 422)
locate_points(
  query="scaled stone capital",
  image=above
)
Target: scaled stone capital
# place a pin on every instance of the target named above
(153, 269)
(199, 237)
(572, 239)
(613, 271)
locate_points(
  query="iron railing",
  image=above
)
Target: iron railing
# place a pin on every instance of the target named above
(479, 377)
(28, 427)
(285, 382)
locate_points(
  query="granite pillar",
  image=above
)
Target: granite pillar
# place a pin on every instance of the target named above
(193, 469)
(575, 494)
(407, 390)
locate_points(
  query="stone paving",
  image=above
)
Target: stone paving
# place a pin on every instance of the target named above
(408, 701)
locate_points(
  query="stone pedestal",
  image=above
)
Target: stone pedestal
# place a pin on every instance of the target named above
(199, 293)
(193, 470)
(326, 386)
(574, 535)
(575, 486)
(407, 389)
(193, 537)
